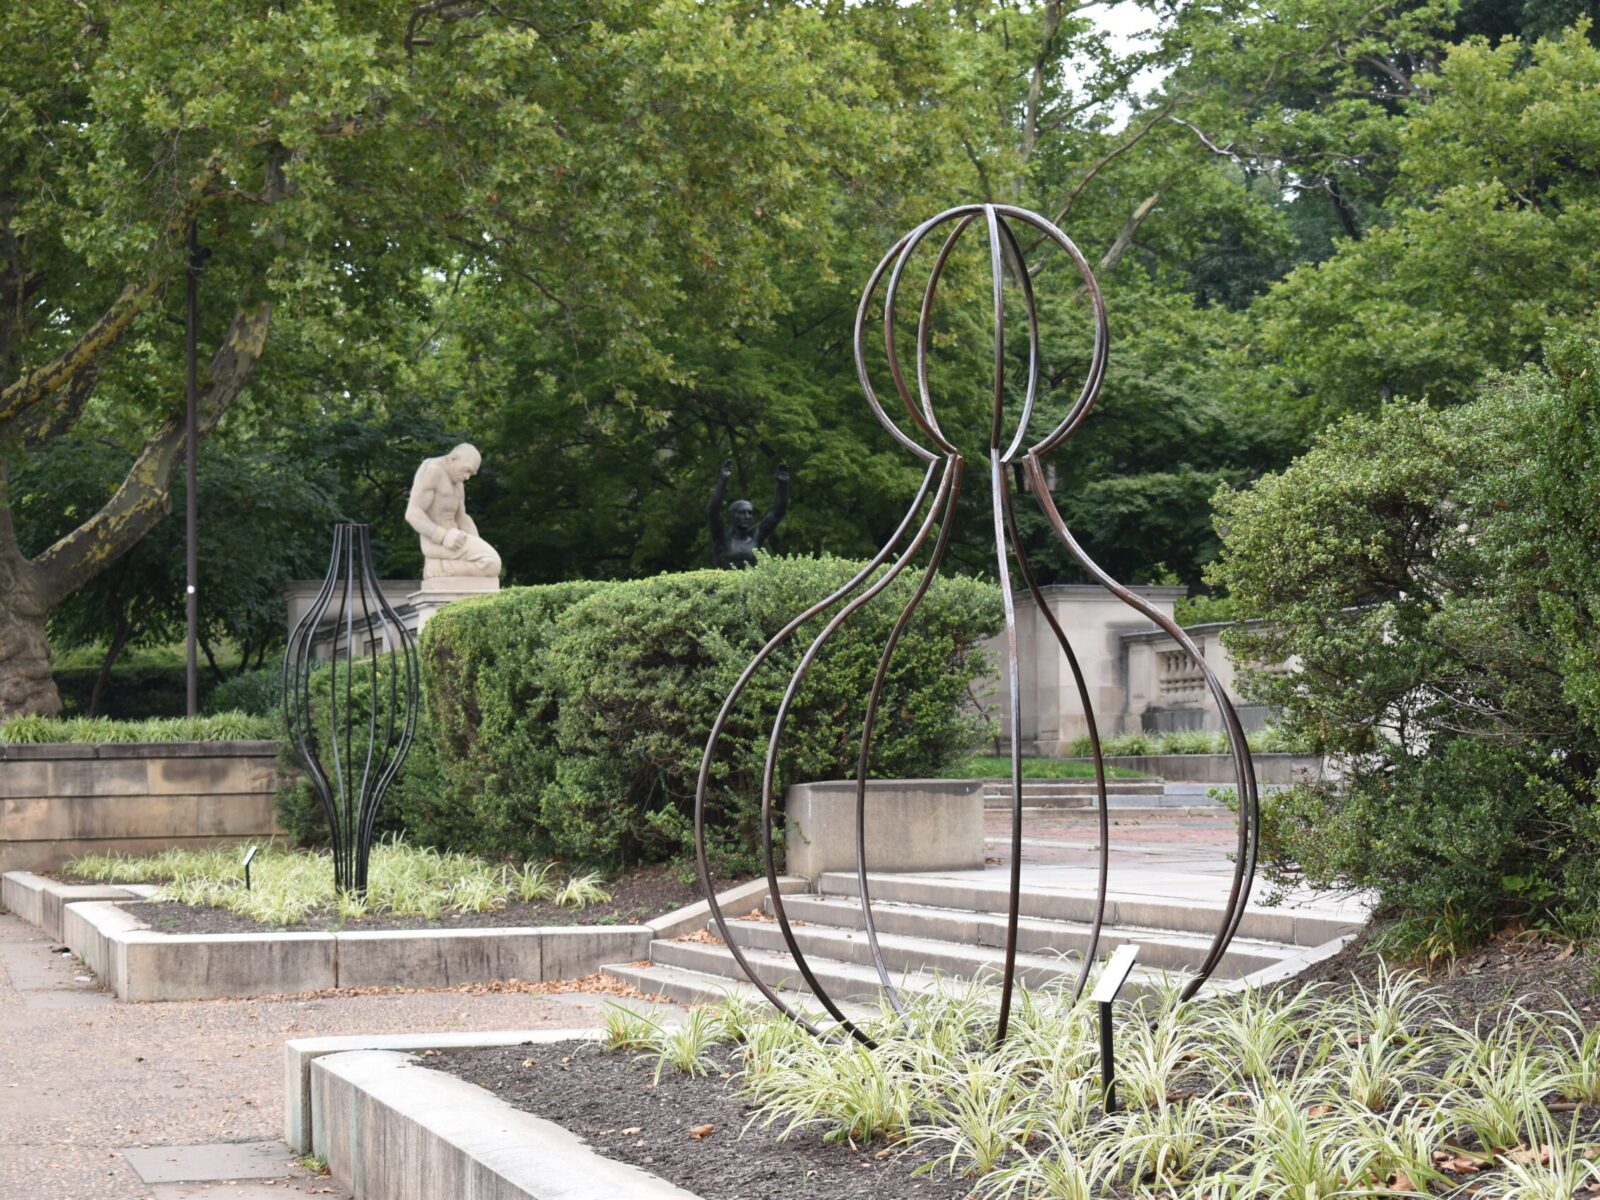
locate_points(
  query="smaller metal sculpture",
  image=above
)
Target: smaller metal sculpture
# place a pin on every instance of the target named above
(350, 712)
(735, 547)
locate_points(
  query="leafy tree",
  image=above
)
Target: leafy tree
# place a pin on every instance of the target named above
(1432, 570)
(604, 158)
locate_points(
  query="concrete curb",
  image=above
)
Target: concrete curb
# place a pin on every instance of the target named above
(299, 1054)
(140, 964)
(1281, 972)
(393, 1130)
(694, 916)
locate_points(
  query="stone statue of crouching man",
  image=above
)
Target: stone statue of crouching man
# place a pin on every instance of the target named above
(451, 547)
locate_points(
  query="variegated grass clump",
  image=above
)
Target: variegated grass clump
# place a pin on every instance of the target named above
(1311, 1096)
(289, 885)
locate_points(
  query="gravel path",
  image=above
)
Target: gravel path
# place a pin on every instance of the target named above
(82, 1077)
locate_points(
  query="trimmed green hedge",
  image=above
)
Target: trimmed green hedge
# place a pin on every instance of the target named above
(568, 721)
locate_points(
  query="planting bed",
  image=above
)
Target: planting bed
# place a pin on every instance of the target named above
(610, 1100)
(701, 1134)
(635, 898)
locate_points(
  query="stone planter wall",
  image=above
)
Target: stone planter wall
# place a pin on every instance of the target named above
(58, 800)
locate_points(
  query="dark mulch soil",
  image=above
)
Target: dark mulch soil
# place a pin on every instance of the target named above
(1484, 985)
(641, 894)
(610, 1101)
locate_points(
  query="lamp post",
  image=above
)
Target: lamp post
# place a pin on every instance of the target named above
(191, 504)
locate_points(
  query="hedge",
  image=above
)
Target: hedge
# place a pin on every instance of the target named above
(569, 720)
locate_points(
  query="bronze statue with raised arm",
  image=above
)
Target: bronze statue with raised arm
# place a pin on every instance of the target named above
(734, 546)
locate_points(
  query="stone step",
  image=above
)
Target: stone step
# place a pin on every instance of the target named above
(904, 954)
(1157, 949)
(1123, 910)
(854, 982)
(690, 987)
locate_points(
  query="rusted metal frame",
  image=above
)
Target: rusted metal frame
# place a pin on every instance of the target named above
(1103, 806)
(943, 501)
(703, 780)
(1244, 769)
(869, 720)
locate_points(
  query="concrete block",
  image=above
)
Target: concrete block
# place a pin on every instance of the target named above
(161, 966)
(58, 895)
(23, 893)
(95, 930)
(438, 957)
(99, 777)
(574, 951)
(299, 1054)
(911, 824)
(23, 778)
(224, 775)
(393, 1130)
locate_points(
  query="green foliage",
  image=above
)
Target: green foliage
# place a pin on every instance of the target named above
(1314, 1095)
(998, 766)
(288, 885)
(226, 726)
(1433, 570)
(570, 720)
(1268, 740)
(256, 692)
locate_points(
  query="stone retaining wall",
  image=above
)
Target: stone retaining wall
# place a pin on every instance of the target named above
(58, 800)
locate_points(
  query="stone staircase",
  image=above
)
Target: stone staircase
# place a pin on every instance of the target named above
(931, 928)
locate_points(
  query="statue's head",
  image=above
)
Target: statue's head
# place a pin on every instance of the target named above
(743, 515)
(463, 462)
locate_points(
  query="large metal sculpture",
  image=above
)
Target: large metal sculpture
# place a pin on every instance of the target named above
(350, 689)
(1012, 463)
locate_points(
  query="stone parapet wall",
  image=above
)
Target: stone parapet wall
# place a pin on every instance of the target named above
(58, 800)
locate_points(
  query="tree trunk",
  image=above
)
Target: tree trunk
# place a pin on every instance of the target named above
(26, 685)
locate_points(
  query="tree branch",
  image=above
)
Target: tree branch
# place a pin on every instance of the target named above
(38, 384)
(144, 496)
(1125, 238)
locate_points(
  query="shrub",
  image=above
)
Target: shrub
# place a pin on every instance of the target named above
(569, 720)
(254, 692)
(1435, 573)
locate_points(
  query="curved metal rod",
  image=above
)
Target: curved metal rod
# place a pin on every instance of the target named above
(1014, 694)
(396, 746)
(949, 485)
(860, 344)
(863, 761)
(1097, 363)
(1244, 767)
(703, 780)
(923, 319)
(1104, 806)
(296, 716)
(1030, 396)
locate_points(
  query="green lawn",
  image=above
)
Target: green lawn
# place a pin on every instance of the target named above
(996, 766)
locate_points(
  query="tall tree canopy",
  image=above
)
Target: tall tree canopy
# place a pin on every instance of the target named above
(615, 243)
